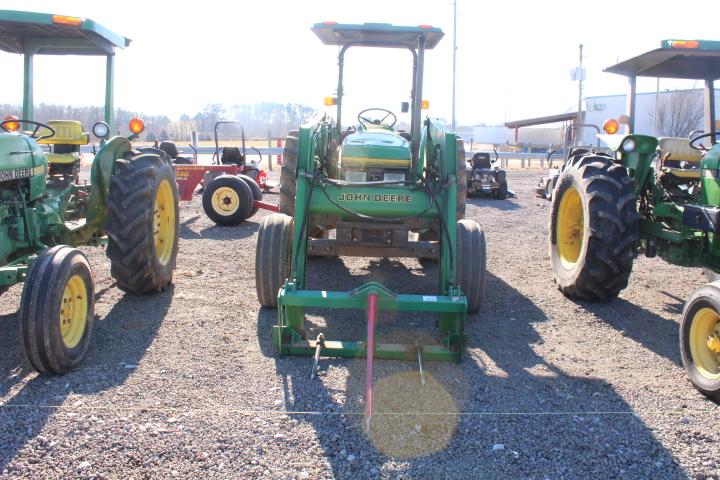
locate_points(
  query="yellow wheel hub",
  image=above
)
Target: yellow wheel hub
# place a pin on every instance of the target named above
(705, 342)
(569, 229)
(164, 222)
(225, 201)
(73, 311)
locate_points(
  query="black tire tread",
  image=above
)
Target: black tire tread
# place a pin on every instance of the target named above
(245, 195)
(461, 174)
(272, 257)
(471, 262)
(613, 232)
(287, 174)
(130, 224)
(40, 311)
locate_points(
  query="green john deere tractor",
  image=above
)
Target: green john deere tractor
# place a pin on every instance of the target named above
(386, 193)
(660, 196)
(45, 211)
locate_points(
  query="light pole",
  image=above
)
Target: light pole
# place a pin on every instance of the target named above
(454, 61)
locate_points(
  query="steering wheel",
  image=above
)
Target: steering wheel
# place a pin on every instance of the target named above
(702, 147)
(38, 126)
(365, 121)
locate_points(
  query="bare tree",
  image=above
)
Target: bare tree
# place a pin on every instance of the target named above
(679, 113)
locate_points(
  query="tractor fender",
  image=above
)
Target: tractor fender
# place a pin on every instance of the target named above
(102, 170)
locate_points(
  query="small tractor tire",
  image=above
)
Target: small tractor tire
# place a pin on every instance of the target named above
(57, 310)
(254, 188)
(501, 193)
(287, 174)
(700, 339)
(170, 148)
(227, 200)
(594, 228)
(142, 224)
(548, 189)
(461, 175)
(471, 262)
(272, 257)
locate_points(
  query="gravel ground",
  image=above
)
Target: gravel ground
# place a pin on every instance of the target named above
(186, 384)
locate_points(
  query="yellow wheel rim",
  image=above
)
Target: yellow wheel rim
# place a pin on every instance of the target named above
(569, 232)
(225, 201)
(73, 311)
(705, 342)
(164, 222)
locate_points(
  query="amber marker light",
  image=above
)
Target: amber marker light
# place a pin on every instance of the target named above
(330, 101)
(685, 44)
(136, 125)
(11, 126)
(425, 27)
(425, 104)
(611, 126)
(65, 20)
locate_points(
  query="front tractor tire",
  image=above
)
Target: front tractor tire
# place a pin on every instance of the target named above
(272, 257)
(471, 263)
(57, 310)
(142, 224)
(593, 229)
(228, 200)
(700, 339)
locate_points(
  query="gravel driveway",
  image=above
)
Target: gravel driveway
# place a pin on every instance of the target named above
(186, 383)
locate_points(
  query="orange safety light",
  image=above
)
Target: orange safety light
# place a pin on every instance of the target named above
(329, 23)
(425, 104)
(685, 44)
(136, 126)
(426, 27)
(11, 126)
(330, 101)
(611, 126)
(65, 20)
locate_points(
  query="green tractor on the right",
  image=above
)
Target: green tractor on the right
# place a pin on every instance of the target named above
(658, 196)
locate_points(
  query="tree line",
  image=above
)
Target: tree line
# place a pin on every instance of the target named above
(257, 120)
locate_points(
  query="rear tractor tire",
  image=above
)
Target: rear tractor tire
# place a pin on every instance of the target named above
(461, 174)
(142, 223)
(471, 263)
(228, 200)
(272, 257)
(700, 339)
(287, 174)
(593, 229)
(57, 310)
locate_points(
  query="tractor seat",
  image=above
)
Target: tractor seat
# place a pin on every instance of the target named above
(66, 142)
(375, 149)
(679, 151)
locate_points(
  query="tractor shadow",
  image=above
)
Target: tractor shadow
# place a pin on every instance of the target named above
(501, 393)
(656, 333)
(507, 205)
(246, 229)
(119, 342)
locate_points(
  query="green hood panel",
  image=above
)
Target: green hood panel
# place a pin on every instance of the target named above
(384, 149)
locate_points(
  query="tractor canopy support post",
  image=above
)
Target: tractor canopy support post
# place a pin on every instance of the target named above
(28, 86)
(417, 99)
(109, 92)
(341, 66)
(710, 109)
(632, 90)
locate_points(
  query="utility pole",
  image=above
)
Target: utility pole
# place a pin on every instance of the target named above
(454, 61)
(578, 131)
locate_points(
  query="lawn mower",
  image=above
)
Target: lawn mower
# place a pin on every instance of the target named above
(45, 212)
(485, 179)
(374, 186)
(657, 195)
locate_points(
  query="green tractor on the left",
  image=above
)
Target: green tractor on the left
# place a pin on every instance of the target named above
(131, 201)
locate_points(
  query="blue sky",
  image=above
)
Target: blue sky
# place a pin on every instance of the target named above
(514, 58)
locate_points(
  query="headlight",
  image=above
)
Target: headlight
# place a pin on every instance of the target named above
(101, 129)
(629, 144)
